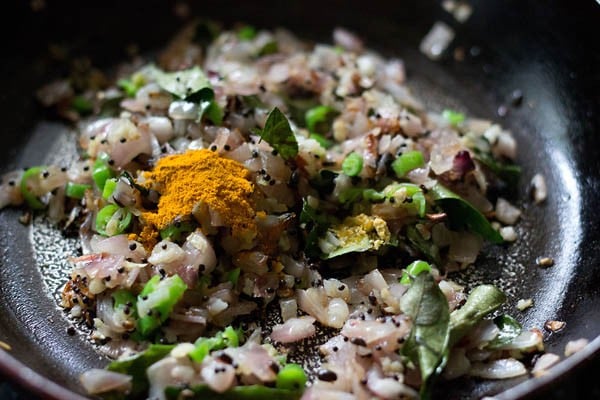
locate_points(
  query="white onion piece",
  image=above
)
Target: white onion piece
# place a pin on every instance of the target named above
(527, 340)
(458, 364)
(335, 288)
(483, 332)
(253, 359)
(464, 247)
(508, 233)
(115, 319)
(219, 376)
(372, 331)
(540, 190)
(294, 329)
(312, 301)
(506, 145)
(437, 40)
(337, 313)
(166, 252)
(96, 381)
(159, 376)
(498, 369)
(506, 212)
(200, 251)
(160, 127)
(447, 145)
(289, 308)
(544, 363)
(387, 388)
(347, 40)
(374, 280)
(117, 245)
(10, 194)
(573, 346)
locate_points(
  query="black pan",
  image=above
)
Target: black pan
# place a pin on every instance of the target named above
(548, 50)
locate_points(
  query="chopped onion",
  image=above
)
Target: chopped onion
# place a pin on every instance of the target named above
(289, 308)
(437, 40)
(506, 212)
(543, 363)
(573, 346)
(540, 191)
(96, 381)
(294, 329)
(498, 369)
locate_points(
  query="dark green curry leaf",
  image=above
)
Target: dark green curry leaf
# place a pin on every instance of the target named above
(278, 133)
(427, 345)
(509, 173)
(482, 300)
(461, 214)
(137, 365)
(324, 181)
(426, 247)
(509, 327)
(269, 48)
(316, 224)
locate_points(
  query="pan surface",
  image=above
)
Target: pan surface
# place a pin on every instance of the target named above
(548, 51)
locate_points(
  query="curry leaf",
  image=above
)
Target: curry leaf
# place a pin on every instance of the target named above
(427, 345)
(137, 365)
(509, 327)
(429, 249)
(190, 84)
(278, 133)
(482, 300)
(461, 214)
(211, 110)
(509, 173)
(316, 225)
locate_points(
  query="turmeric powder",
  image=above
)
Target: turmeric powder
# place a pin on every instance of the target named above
(184, 180)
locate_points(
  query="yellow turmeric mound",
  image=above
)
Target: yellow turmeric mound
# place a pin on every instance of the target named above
(185, 180)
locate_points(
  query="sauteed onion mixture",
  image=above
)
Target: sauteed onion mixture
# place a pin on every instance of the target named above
(243, 199)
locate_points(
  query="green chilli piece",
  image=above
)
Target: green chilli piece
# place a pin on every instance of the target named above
(123, 297)
(246, 32)
(156, 301)
(461, 214)
(352, 164)
(31, 199)
(407, 162)
(415, 193)
(131, 86)
(112, 220)
(177, 231)
(318, 119)
(414, 269)
(453, 117)
(82, 105)
(102, 171)
(323, 141)
(233, 276)
(291, 377)
(109, 187)
(229, 337)
(76, 190)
